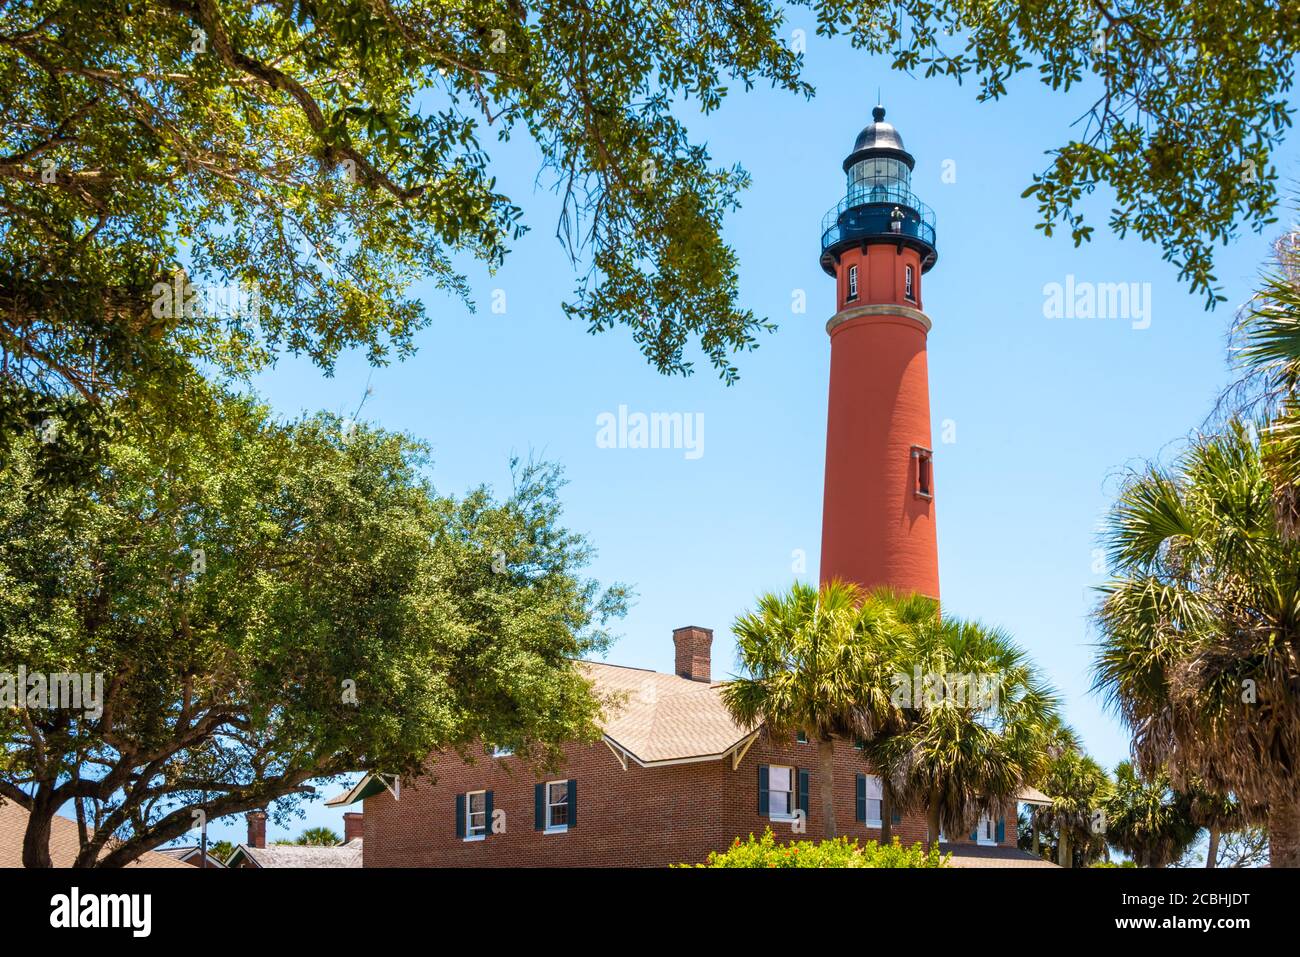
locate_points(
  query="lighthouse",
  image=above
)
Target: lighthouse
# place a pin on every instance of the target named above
(878, 524)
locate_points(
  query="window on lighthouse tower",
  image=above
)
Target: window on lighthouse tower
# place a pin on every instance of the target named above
(924, 471)
(909, 287)
(853, 282)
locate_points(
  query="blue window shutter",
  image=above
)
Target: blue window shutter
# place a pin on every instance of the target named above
(539, 810)
(896, 818)
(1002, 830)
(975, 834)
(573, 803)
(860, 799)
(803, 791)
(487, 817)
(762, 789)
(460, 815)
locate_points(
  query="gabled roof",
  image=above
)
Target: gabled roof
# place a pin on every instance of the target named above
(368, 786)
(297, 855)
(190, 854)
(1031, 795)
(65, 842)
(658, 718)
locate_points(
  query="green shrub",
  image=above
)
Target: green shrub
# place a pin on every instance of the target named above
(1112, 864)
(841, 852)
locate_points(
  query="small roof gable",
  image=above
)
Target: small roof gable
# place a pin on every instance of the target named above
(190, 854)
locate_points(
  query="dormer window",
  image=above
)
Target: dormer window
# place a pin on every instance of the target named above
(853, 283)
(909, 287)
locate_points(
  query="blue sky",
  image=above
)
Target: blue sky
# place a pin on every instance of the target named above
(1047, 412)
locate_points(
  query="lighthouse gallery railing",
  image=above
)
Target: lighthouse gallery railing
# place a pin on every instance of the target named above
(872, 211)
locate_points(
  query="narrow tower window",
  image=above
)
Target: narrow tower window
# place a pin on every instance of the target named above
(909, 290)
(924, 471)
(853, 282)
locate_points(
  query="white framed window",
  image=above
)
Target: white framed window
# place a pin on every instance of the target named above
(909, 287)
(801, 737)
(987, 832)
(500, 752)
(475, 815)
(780, 792)
(556, 797)
(874, 799)
(853, 282)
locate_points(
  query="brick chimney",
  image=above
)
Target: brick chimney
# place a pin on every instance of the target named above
(353, 826)
(693, 651)
(257, 829)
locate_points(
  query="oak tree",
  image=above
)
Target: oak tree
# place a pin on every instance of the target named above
(267, 605)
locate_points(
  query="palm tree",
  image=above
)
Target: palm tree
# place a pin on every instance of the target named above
(960, 759)
(906, 610)
(810, 661)
(315, 837)
(1078, 787)
(1200, 650)
(1059, 738)
(1270, 331)
(1147, 819)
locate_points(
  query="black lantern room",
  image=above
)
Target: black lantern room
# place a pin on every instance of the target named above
(879, 205)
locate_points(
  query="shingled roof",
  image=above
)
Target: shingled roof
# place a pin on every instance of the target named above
(65, 843)
(656, 718)
(297, 855)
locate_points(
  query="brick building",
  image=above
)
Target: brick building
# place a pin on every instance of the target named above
(672, 779)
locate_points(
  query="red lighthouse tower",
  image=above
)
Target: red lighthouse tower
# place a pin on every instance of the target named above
(878, 510)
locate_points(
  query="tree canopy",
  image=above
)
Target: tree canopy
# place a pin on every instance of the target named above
(813, 660)
(952, 715)
(973, 723)
(330, 153)
(1078, 787)
(315, 837)
(1147, 819)
(1198, 631)
(273, 603)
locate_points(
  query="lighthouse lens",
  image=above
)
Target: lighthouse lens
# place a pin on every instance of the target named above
(877, 175)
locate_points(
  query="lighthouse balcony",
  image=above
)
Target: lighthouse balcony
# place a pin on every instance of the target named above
(881, 214)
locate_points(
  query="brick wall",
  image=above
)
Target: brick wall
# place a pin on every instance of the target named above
(647, 817)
